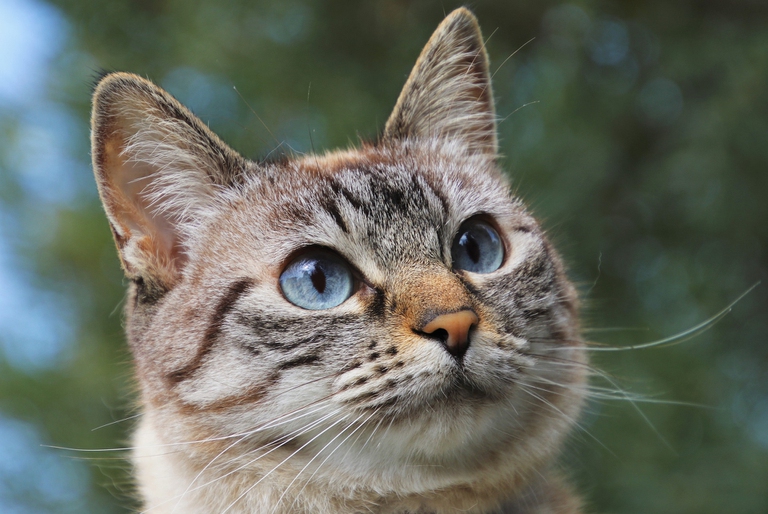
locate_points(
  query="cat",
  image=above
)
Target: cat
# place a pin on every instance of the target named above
(382, 329)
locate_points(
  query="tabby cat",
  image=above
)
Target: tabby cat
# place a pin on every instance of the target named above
(384, 329)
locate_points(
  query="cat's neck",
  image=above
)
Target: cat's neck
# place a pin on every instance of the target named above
(174, 480)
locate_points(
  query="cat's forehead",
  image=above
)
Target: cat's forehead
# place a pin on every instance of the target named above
(384, 206)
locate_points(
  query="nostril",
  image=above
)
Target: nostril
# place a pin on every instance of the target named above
(441, 334)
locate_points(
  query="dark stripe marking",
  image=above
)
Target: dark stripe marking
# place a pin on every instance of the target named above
(253, 394)
(302, 360)
(440, 196)
(342, 191)
(227, 302)
(333, 209)
(312, 341)
(148, 292)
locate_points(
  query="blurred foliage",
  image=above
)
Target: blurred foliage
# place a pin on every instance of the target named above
(637, 130)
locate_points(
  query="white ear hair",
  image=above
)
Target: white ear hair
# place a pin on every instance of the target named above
(157, 168)
(448, 93)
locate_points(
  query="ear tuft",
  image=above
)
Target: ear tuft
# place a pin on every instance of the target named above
(158, 169)
(448, 93)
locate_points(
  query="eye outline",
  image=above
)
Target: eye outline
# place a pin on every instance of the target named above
(491, 222)
(358, 281)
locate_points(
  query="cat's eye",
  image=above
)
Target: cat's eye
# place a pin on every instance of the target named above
(317, 280)
(477, 248)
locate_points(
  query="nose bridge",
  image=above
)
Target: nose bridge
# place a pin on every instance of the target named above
(423, 296)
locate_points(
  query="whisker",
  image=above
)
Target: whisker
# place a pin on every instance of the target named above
(330, 454)
(639, 411)
(282, 440)
(564, 362)
(511, 55)
(595, 392)
(116, 422)
(207, 440)
(623, 395)
(566, 416)
(277, 443)
(248, 490)
(522, 106)
(279, 143)
(211, 462)
(370, 436)
(616, 329)
(361, 433)
(313, 458)
(678, 338)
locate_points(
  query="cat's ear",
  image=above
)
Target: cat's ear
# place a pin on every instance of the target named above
(448, 93)
(158, 169)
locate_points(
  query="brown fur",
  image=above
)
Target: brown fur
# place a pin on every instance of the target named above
(253, 404)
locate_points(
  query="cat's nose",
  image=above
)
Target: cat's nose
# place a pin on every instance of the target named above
(452, 329)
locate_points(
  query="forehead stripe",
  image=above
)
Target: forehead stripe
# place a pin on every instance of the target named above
(332, 208)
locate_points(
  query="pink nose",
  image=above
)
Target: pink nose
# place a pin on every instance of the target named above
(452, 330)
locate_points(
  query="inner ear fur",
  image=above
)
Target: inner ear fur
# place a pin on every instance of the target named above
(448, 93)
(158, 168)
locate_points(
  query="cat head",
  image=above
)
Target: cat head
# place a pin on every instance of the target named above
(389, 310)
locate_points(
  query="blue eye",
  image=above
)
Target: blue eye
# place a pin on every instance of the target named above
(477, 248)
(317, 280)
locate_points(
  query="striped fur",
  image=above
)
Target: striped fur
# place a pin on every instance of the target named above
(251, 404)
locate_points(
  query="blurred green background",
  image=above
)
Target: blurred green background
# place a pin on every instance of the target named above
(637, 130)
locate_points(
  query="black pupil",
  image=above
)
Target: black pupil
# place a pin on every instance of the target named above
(473, 249)
(318, 279)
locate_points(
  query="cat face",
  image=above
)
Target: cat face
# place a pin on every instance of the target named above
(387, 311)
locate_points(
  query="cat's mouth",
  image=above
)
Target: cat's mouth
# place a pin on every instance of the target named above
(411, 395)
(412, 379)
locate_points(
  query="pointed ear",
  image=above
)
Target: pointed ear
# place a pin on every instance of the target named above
(158, 169)
(448, 93)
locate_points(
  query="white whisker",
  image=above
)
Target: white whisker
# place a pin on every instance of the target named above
(277, 466)
(313, 459)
